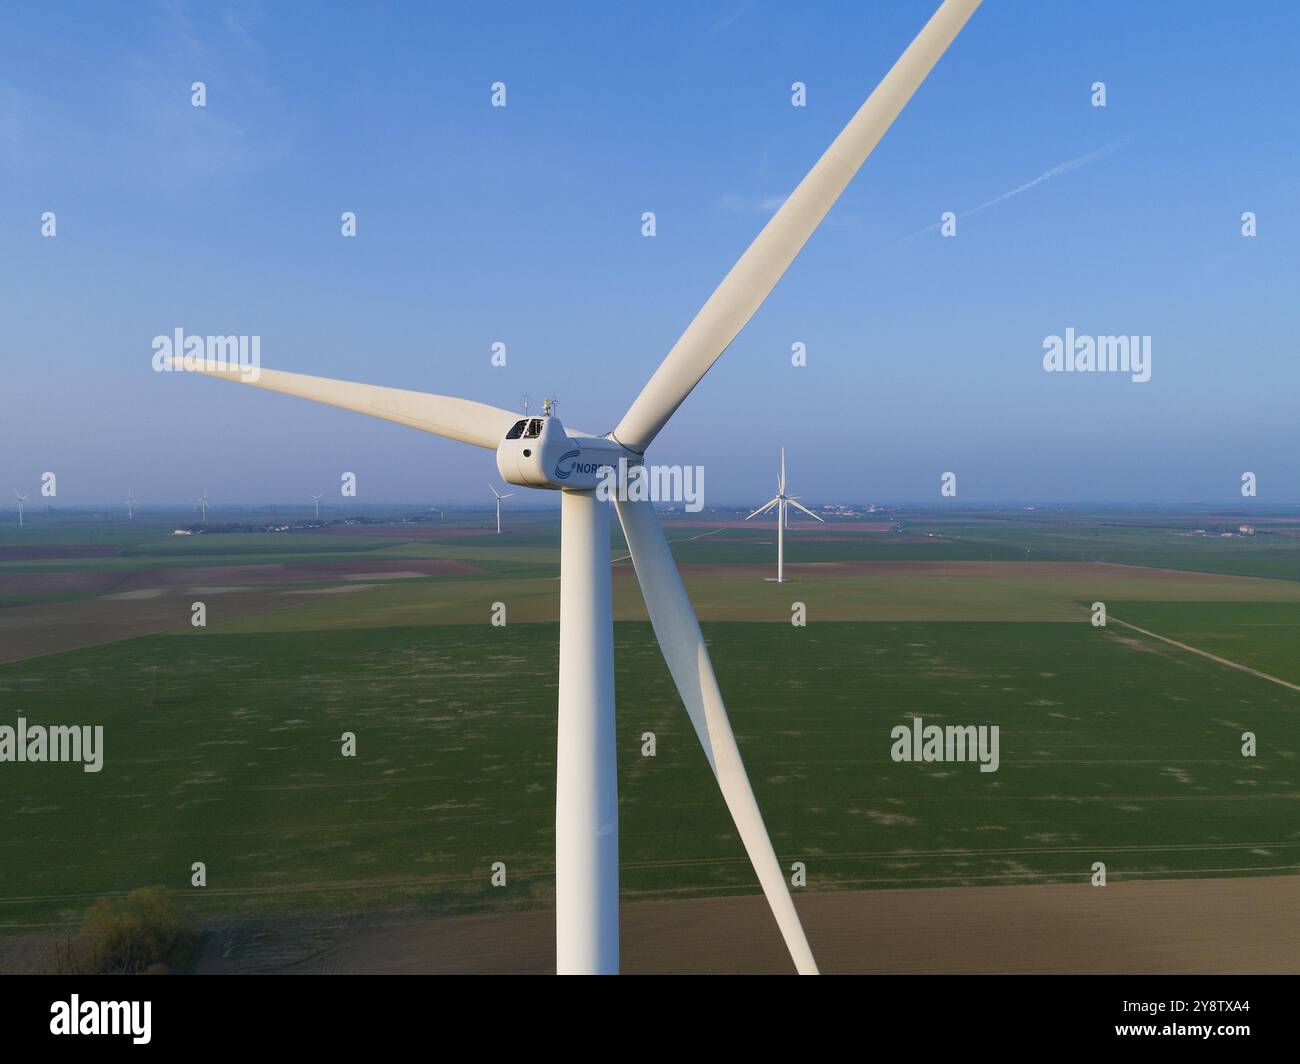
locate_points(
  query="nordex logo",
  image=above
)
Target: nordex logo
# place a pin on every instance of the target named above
(193, 354)
(564, 470)
(1098, 354)
(56, 743)
(638, 483)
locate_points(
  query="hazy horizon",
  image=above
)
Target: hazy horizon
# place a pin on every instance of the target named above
(551, 500)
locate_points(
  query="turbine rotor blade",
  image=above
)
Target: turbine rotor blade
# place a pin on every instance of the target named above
(805, 509)
(442, 415)
(765, 507)
(757, 271)
(682, 643)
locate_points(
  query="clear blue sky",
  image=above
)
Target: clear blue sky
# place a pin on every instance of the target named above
(522, 225)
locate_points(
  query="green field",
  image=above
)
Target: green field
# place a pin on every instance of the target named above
(1107, 753)
(1114, 747)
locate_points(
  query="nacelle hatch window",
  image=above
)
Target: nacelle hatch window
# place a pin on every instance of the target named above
(516, 430)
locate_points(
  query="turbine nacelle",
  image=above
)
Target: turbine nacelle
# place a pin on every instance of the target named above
(537, 452)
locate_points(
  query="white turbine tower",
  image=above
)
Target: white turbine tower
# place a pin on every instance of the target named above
(507, 495)
(782, 502)
(203, 505)
(130, 505)
(316, 500)
(21, 499)
(540, 452)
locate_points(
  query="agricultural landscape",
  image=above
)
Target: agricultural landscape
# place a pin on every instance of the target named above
(223, 744)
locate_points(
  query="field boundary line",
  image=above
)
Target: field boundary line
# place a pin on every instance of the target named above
(1206, 654)
(688, 539)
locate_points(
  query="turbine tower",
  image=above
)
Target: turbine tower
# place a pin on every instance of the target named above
(507, 495)
(782, 502)
(316, 500)
(21, 499)
(130, 505)
(203, 505)
(540, 452)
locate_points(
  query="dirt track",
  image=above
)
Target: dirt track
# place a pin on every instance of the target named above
(1208, 656)
(1188, 926)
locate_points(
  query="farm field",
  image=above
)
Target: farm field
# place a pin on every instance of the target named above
(222, 744)
(237, 764)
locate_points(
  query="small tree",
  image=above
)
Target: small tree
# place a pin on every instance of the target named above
(148, 926)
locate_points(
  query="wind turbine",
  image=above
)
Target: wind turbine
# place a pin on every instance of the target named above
(130, 505)
(507, 495)
(203, 505)
(782, 502)
(21, 499)
(316, 500)
(540, 452)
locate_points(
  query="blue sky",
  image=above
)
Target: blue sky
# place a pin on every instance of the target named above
(522, 225)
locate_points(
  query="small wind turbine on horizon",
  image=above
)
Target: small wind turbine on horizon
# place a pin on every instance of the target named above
(316, 500)
(541, 452)
(130, 505)
(203, 505)
(21, 499)
(782, 502)
(507, 495)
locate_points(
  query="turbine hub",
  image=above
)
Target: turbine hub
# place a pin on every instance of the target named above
(537, 452)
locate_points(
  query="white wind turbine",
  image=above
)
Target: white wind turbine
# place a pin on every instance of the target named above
(507, 495)
(540, 452)
(130, 505)
(782, 502)
(203, 505)
(316, 500)
(21, 499)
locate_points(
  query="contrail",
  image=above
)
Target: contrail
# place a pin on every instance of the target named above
(1046, 175)
(727, 21)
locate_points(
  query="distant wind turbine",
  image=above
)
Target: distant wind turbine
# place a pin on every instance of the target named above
(316, 500)
(21, 499)
(130, 505)
(203, 505)
(782, 502)
(507, 495)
